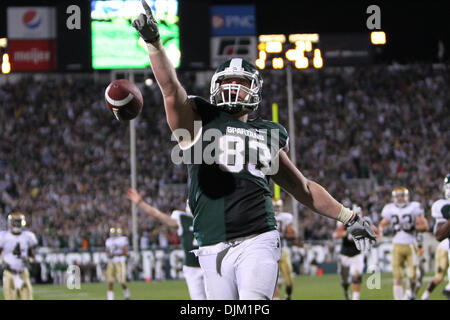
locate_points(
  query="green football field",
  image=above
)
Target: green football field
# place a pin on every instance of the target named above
(326, 287)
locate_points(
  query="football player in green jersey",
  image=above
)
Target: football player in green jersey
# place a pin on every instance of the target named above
(231, 159)
(182, 220)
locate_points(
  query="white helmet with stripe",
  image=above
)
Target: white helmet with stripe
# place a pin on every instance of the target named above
(235, 97)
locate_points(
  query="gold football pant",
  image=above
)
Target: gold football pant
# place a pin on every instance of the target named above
(441, 263)
(116, 270)
(9, 288)
(401, 254)
(286, 267)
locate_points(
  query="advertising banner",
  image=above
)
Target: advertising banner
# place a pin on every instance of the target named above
(32, 55)
(225, 48)
(233, 20)
(233, 30)
(31, 22)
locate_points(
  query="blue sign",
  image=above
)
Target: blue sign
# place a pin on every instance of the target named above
(233, 21)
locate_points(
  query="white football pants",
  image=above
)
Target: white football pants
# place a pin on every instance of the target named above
(195, 282)
(244, 268)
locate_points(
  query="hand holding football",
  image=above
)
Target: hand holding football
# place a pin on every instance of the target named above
(124, 99)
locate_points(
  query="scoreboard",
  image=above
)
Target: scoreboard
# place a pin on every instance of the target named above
(313, 50)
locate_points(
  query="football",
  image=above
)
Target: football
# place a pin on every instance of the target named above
(124, 99)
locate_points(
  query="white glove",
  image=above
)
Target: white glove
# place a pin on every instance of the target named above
(362, 233)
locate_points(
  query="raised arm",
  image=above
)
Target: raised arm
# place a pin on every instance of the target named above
(315, 197)
(179, 109)
(136, 197)
(307, 192)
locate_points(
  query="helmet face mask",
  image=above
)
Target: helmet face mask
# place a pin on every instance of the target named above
(400, 197)
(446, 187)
(236, 96)
(115, 232)
(16, 222)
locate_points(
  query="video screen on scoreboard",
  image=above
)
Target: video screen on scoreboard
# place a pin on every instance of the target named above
(116, 44)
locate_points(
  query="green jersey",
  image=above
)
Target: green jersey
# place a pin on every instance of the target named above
(186, 235)
(230, 197)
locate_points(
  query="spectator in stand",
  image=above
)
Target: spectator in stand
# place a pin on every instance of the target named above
(70, 172)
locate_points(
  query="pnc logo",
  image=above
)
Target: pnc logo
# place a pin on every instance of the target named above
(232, 21)
(31, 19)
(218, 21)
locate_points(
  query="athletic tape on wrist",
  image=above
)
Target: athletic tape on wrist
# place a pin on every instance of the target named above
(345, 215)
(154, 46)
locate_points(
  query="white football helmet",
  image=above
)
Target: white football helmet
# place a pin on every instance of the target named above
(115, 232)
(16, 222)
(226, 97)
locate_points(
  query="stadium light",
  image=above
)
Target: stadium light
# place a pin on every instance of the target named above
(261, 64)
(378, 37)
(292, 54)
(317, 60)
(6, 65)
(312, 37)
(274, 47)
(308, 46)
(272, 38)
(277, 63)
(302, 63)
(3, 42)
(300, 45)
(262, 55)
(148, 82)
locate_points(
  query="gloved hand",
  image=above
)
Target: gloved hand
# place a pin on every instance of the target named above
(146, 25)
(362, 233)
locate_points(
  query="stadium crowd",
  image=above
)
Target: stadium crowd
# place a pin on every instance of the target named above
(360, 132)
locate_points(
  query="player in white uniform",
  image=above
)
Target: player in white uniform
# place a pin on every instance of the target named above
(406, 218)
(182, 220)
(440, 210)
(351, 260)
(117, 250)
(17, 246)
(287, 232)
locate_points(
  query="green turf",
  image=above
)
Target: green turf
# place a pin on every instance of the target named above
(326, 287)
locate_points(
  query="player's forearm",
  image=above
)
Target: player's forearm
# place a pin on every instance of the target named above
(315, 197)
(155, 213)
(321, 201)
(163, 69)
(308, 192)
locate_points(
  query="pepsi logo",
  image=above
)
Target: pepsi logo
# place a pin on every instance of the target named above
(31, 19)
(218, 21)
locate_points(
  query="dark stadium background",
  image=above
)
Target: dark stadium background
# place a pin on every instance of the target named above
(413, 28)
